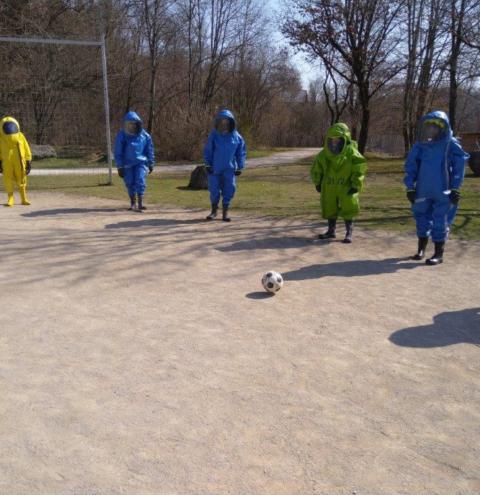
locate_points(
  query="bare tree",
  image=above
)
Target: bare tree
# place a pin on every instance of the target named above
(461, 13)
(158, 28)
(426, 55)
(337, 94)
(357, 36)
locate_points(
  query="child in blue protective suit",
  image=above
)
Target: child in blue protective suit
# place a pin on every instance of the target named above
(434, 172)
(224, 154)
(135, 158)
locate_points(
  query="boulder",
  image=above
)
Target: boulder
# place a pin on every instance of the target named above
(41, 151)
(474, 162)
(198, 178)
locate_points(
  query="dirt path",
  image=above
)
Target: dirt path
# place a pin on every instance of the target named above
(139, 356)
(282, 158)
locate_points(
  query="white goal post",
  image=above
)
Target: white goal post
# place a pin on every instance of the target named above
(102, 45)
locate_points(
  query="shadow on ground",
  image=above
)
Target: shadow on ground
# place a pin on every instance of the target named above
(267, 243)
(153, 222)
(354, 268)
(452, 327)
(69, 211)
(260, 295)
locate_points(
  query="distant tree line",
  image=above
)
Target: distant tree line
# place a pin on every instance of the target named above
(176, 62)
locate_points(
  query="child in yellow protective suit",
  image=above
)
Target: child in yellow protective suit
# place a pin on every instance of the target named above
(15, 159)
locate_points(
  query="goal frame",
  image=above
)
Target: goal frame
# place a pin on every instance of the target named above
(103, 48)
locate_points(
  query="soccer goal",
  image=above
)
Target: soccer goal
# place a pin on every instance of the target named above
(58, 91)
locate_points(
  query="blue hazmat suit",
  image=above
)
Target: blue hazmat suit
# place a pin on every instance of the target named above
(433, 170)
(134, 154)
(225, 154)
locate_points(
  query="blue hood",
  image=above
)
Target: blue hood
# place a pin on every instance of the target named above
(132, 116)
(226, 114)
(438, 114)
(433, 168)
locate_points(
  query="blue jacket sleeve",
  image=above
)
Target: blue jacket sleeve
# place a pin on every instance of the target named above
(456, 165)
(241, 153)
(149, 150)
(411, 168)
(208, 150)
(119, 150)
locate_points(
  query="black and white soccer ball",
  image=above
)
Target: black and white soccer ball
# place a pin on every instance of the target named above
(272, 282)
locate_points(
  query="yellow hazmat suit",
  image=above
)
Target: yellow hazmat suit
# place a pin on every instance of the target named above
(15, 154)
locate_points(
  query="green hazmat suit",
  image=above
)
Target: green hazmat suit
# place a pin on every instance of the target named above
(338, 174)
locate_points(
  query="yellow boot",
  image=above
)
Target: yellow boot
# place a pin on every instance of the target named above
(23, 195)
(10, 200)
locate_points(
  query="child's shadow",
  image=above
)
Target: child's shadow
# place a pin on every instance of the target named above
(355, 268)
(448, 328)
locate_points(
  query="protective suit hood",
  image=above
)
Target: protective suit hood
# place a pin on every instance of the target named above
(4, 121)
(339, 130)
(132, 117)
(447, 134)
(226, 114)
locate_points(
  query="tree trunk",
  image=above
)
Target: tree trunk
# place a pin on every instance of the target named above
(364, 100)
(151, 98)
(453, 92)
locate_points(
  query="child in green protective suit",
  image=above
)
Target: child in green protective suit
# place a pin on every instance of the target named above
(338, 174)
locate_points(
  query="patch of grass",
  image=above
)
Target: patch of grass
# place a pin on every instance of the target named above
(48, 163)
(286, 191)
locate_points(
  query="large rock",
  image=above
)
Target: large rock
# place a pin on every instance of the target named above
(198, 178)
(41, 151)
(474, 162)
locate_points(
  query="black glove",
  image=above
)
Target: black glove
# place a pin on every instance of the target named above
(352, 191)
(209, 169)
(121, 173)
(455, 196)
(150, 169)
(411, 195)
(28, 168)
(1, 167)
(238, 172)
(318, 187)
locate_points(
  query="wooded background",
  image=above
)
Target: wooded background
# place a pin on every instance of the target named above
(383, 64)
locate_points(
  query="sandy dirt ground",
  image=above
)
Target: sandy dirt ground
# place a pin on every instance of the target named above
(138, 355)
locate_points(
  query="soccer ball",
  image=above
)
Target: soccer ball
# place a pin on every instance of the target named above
(272, 282)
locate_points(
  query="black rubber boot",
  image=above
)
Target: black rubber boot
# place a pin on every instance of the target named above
(213, 213)
(422, 246)
(348, 232)
(225, 216)
(437, 257)
(141, 207)
(330, 233)
(133, 204)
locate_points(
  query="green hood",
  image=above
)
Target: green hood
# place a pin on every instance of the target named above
(339, 130)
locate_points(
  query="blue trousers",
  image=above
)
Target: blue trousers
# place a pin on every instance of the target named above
(223, 185)
(135, 179)
(434, 217)
(451, 214)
